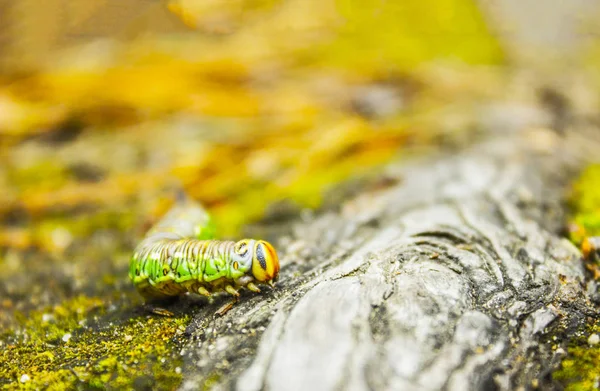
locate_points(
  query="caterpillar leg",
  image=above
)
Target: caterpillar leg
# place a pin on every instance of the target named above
(203, 291)
(253, 287)
(231, 290)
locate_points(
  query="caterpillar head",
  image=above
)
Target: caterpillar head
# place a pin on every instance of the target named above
(260, 257)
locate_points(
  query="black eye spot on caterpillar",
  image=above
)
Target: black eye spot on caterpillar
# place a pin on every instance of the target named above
(260, 255)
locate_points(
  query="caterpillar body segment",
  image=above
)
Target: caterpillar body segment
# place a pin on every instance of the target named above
(171, 260)
(185, 220)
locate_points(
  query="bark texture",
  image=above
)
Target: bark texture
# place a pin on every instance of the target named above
(452, 276)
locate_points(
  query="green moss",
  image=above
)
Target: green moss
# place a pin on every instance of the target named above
(43, 175)
(47, 233)
(53, 323)
(211, 381)
(580, 370)
(56, 349)
(384, 35)
(585, 204)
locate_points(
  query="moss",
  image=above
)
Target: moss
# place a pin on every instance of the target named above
(580, 370)
(56, 349)
(48, 232)
(211, 381)
(585, 204)
(43, 175)
(401, 42)
(53, 323)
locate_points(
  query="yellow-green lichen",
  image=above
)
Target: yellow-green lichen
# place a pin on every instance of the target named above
(585, 204)
(211, 381)
(55, 233)
(74, 345)
(43, 175)
(380, 35)
(580, 370)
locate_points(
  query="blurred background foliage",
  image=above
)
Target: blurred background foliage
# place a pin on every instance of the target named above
(241, 103)
(253, 107)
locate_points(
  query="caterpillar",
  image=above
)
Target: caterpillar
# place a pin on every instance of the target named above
(179, 254)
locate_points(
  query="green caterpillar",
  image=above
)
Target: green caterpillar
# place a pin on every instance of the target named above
(178, 255)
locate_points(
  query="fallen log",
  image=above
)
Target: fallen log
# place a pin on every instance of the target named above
(456, 276)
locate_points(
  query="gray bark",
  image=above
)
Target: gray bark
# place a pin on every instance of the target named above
(455, 277)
